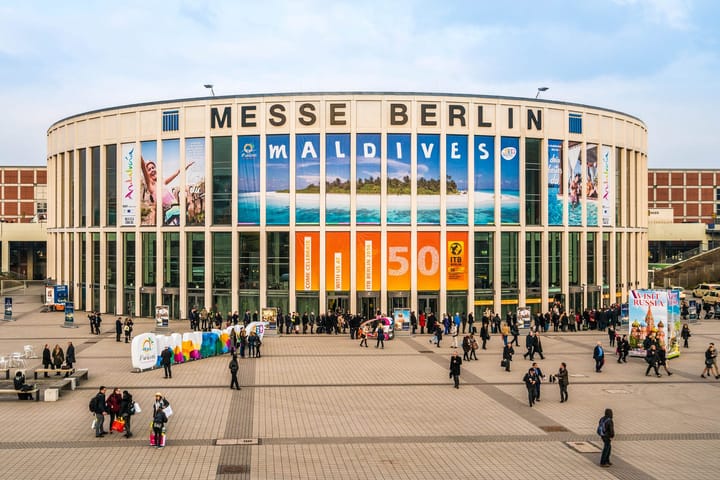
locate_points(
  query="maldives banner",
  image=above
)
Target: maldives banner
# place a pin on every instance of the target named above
(367, 261)
(195, 182)
(148, 182)
(509, 180)
(484, 191)
(277, 183)
(457, 261)
(428, 260)
(337, 261)
(129, 185)
(337, 179)
(591, 185)
(456, 179)
(171, 182)
(307, 179)
(398, 261)
(428, 179)
(648, 317)
(249, 180)
(608, 214)
(369, 178)
(575, 184)
(555, 197)
(398, 179)
(307, 261)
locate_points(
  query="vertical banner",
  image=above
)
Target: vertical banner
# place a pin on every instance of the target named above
(277, 170)
(428, 260)
(484, 192)
(307, 261)
(673, 324)
(337, 179)
(554, 183)
(398, 261)
(367, 261)
(129, 185)
(398, 179)
(69, 314)
(591, 185)
(456, 179)
(337, 261)
(8, 309)
(608, 212)
(307, 179)
(194, 182)
(648, 316)
(575, 183)
(369, 178)
(509, 180)
(457, 261)
(428, 179)
(162, 316)
(171, 182)
(249, 180)
(148, 182)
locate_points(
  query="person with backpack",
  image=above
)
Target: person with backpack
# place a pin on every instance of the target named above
(159, 421)
(234, 367)
(99, 408)
(606, 430)
(128, 408)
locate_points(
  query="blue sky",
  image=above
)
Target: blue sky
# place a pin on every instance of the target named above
(654, 59)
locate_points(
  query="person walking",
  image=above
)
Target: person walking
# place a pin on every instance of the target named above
(710, 362)
(455, 362)
(473, 347)
(508, 353)
(438, 335)
(611, 334)
(166, 361)
(234, 367)
(538, 380)
(484, 335)
(599, 356)
(529, 346)
(70, 355)
(530, 380)
(623, 349)
(537, 346)
(99, 408)
(127, 410)
(118, 329)
(662, 360)
(685, 334)
(363, 335)
(652, 361)
(606, 430)
(563, 381)
(454, 335)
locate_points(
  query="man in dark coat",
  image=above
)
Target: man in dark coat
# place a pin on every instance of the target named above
(529, 346)
(70, 355)
(118, 329)
(530, 380)
(46, 359)
(166, 361)
(607, 433)
(234, 367)
(455, 362)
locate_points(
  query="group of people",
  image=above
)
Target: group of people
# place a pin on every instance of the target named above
(57, 359)
(95, 321)
(124, 327)
(242, 343)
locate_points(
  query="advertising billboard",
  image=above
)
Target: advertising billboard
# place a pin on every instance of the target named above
(249, 180)
(307, 179)
(129, 185)
(369, 178)
(456, 179)
(509, 180)
(484, 191)
(277, 183)
(428, 179)
(337, 179)
(194, 182)
(398, 179)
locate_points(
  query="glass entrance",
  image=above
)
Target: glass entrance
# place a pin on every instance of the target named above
(428, 304)
(368, 304)
(338, 303)
(172, 300)
(196, 300)
(147, 305)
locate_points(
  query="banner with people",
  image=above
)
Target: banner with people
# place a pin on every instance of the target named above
(148, 182)
(194, 182)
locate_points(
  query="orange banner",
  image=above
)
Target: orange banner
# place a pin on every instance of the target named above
(337, 261)
(398, 261)
(428, 261)
(367, 261)
(307, 261)
(457, 261)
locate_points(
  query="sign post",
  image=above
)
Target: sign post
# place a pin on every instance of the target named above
(8, 309)
(162, 318)
(69, 315)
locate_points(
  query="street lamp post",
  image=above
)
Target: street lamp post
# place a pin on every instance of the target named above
(210, 86)
(541, 89)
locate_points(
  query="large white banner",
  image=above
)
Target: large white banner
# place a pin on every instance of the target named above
(129, 185)
(608, 213)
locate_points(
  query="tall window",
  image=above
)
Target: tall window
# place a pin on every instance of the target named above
(171, 259)
(111, 183)
(249, 258)
(95, 185)
(509, 259)
(222, 180)
(221, 260)
(196, 260)
(574, 258)
(606, 258)
(533, 258)
(278, 260)
(170, 121)
(83, 179)
(591, 244)
(129, 256)
(149, 259)
(575, 122)
(484, 260)
(555, 259)
(70, 158)
(533, 185)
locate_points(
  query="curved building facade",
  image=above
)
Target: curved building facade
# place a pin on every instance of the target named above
(351, 201)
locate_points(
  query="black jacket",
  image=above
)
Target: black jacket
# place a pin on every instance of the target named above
(166, 356)
(455, 362)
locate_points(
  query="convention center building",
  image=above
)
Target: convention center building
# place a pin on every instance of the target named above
(353, 202)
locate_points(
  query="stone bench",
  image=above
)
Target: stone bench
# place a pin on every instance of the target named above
(57, 371)
(35, 391)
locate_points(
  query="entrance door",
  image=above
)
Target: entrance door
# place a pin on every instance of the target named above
(338, 304)
(196, 300)
(428, 304)
(368, 306)
(172, 300)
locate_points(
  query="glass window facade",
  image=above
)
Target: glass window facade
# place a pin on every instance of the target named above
(171, 259)
(509, 259)
(484, 258)
(533, 259)
(574, 258)
(249, 260)
(555, 259)
(278, 261)
(149, 259)
(129, 257)
(591, 256)
(82, 205)
(196, 260)
(533, 183)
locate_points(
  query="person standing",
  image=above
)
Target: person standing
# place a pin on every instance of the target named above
(413, 322)
(606, 430)
(98, 407)
(611, 334)
(58, 357)
(234, 367)
(455, 362)
(128, 328)
(421, 321)
(473, 347)
(508, 353)
(46, 359)
(530, 380)
(113, 402)
(159, 420)
(363, 335)
(380, 332)
(538, 380)
(98, 321)
(563, 381)
(166, 361)
(70, 355)
(127, 410)
(685, 334)
(118, 329)
(599, 356)
(484, 335)
(710, 362)
(454, 335)
(438, 335)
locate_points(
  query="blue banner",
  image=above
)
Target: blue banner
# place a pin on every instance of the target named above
(398, 179)
(307, 179)
(277, 184)
(337, 179)
(555, 195)
(8, 309)
(484, 192)
(509, 180)
(456, 178)
(249, 180)
(369, 178)
(69, 313)
(428, 179)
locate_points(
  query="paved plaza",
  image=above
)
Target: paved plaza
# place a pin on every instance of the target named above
(321, 407)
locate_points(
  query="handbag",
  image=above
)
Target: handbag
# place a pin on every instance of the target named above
(168, 411)
(136, 407)
(118, 425)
